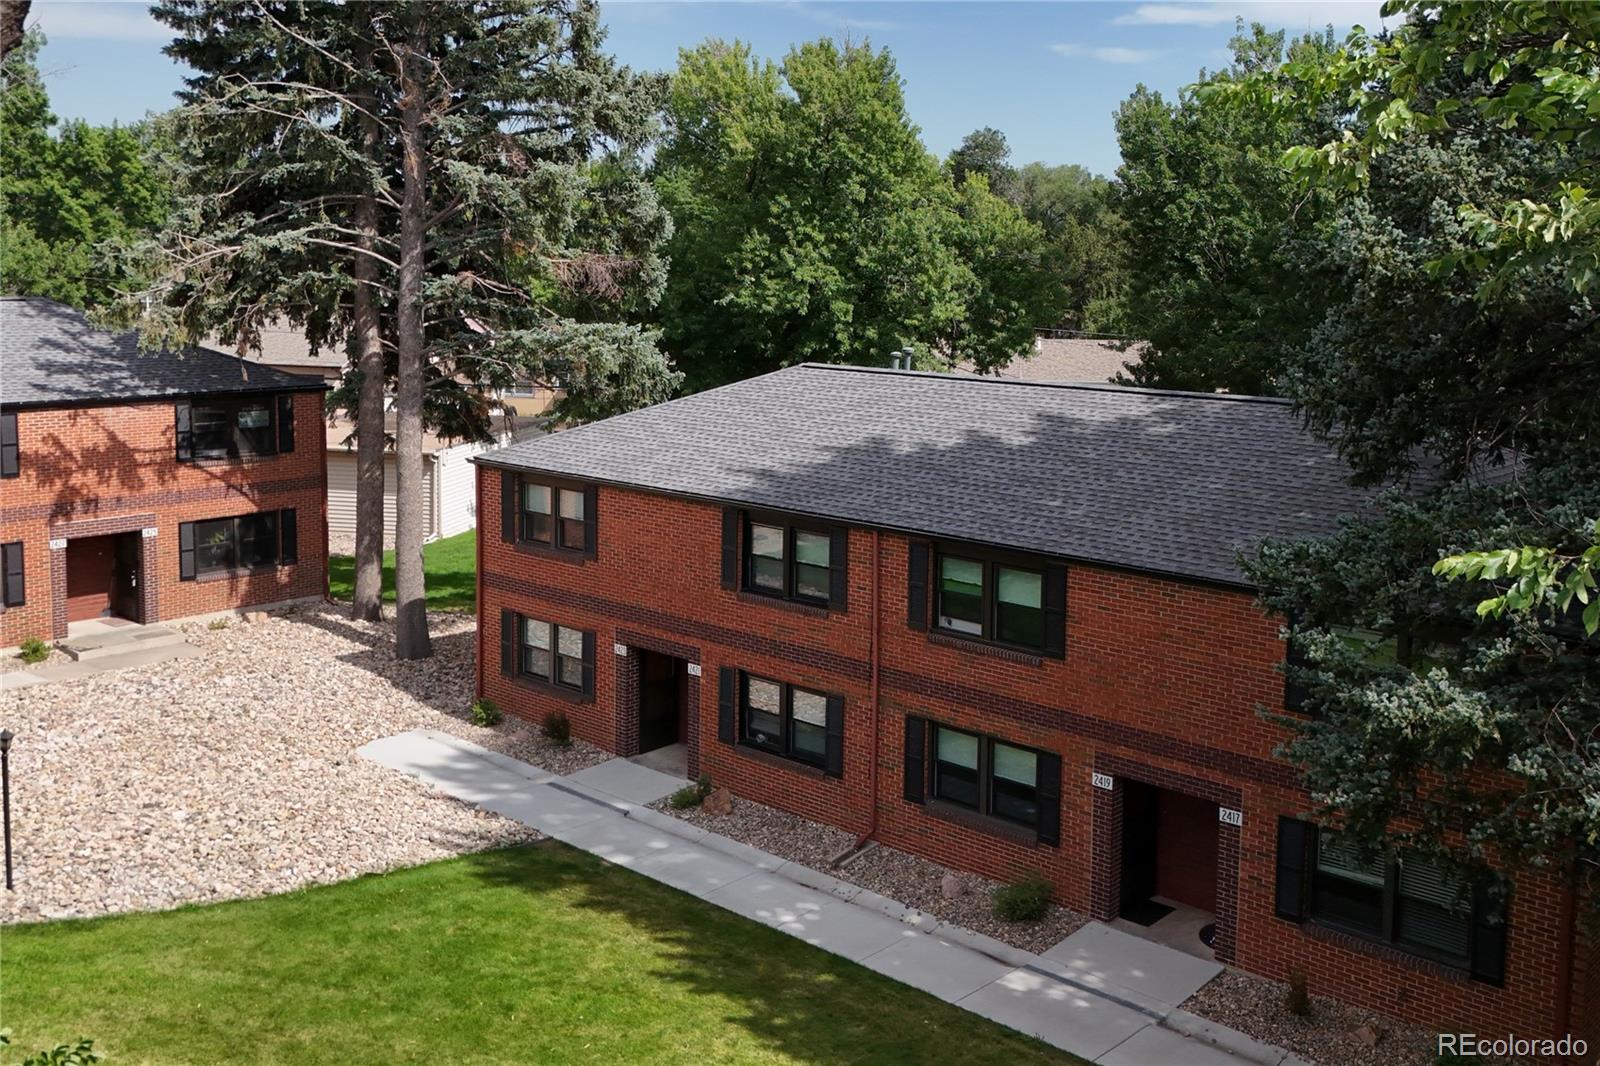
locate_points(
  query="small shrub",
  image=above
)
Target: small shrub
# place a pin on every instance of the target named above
(486, 712)
(1026, 899)
(219, 623)
(1297, 1000)
(691, 795)
(33, 650)
(557, 729)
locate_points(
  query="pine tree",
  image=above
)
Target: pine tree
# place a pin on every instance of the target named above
(446, 187)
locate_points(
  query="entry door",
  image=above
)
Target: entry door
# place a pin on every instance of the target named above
(1140, 811)
(91, 576)
(126, 580)
(658, 700)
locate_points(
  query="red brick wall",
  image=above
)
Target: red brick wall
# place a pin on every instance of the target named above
(1161, 682)
(92, 470)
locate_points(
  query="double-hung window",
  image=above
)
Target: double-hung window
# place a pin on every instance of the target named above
(552, 653)
(1403, 899)
(785, 719)
(232, 428)
(789, 561)
(558, 656)
(558, 516)
(986, 775)
(991, 600)
(240, 543)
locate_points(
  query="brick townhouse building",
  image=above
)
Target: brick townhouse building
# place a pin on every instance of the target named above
(1000, 625)
(149, 486)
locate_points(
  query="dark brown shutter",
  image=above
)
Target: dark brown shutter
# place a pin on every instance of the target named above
(916, 763)
(1488, 939)
(730, 547)
(1054, 601)
(1294, 660)
(13, 575)
(834, 762)
(1049, 797)
(588, 663)
(186, 551)
(184, 434)
(10, 464)
(727, 704)
(1294, 848)
(288, 536)
(917, 587)
(839, 570)
(508, 643)
(508, 506)
(286, 422)
(591, 520)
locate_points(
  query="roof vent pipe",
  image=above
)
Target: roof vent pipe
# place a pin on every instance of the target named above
(894, 359)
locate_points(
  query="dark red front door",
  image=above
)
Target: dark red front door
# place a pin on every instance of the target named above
(103, 576)
(91, 576)
(1186, 849)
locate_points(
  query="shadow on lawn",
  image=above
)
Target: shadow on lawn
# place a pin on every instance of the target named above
(797, 999)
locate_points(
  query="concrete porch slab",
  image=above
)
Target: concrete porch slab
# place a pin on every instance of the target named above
(628, 781)
(1104, 958)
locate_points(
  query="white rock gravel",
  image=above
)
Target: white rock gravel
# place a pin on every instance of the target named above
(1255, 1006)
(233, 774)
(913, 881)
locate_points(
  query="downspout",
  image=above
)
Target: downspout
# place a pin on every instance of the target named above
(477, 577)
(872, 700)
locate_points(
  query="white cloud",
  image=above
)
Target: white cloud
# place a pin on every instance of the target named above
(1107, 53)
(1341, 13)
(98, 22)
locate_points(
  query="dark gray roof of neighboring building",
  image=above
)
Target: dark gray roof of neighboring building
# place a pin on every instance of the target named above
(51, 356)
(1171, 482)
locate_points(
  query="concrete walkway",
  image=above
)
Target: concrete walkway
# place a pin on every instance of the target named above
(1100, 994)
(72, 671)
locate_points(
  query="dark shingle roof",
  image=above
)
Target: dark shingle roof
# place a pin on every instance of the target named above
(50, 355)
(1169, 482)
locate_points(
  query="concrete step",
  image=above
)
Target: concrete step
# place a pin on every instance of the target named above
(121, 642)
(125, 659)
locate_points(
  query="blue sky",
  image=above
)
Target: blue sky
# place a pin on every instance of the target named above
(1049, 75)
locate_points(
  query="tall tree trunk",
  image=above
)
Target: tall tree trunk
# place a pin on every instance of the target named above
(367, 355)
(411, 616)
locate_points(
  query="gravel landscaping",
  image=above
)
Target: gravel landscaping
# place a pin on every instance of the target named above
(910, 880)
(1327, 1036)
(233, 774)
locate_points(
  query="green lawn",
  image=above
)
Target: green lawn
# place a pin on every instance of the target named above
(540, 954)
(451, 566)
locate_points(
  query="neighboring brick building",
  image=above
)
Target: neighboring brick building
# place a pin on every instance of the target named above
(149, 486)
(997, 624)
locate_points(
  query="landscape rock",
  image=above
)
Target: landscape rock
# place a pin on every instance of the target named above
(1367, 1035)
(951, 887)
(914, 881)
(233, 773)
(719, 803)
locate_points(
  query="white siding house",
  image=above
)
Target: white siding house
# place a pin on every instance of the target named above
(449, 487)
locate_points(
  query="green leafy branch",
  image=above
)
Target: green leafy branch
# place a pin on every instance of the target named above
(1538, 576)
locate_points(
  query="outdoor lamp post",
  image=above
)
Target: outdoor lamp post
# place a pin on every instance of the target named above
(5, 796)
